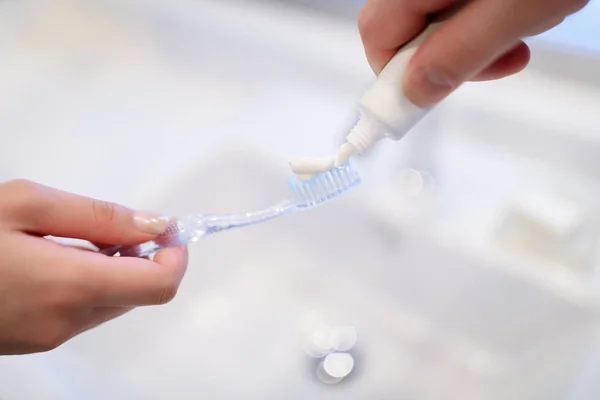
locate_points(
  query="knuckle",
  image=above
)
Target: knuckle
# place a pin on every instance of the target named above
(577, 5)
(18, 184)
(366, 26)
(544, 26)
(22, 198)
(52, 339)
(20, 191)
(168, 293)
(63, 300)
(564, 7)
(61, 288)
(447, 74)
(104, 212)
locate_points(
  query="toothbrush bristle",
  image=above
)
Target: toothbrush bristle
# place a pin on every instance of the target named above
(325, 186)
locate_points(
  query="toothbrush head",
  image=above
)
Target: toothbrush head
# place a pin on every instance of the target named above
(323, 187)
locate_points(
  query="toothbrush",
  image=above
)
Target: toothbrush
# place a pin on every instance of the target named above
(305, 195)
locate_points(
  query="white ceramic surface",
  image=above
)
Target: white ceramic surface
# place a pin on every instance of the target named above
(196, 107)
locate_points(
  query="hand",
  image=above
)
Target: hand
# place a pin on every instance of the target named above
(480, 42)
(51, 292)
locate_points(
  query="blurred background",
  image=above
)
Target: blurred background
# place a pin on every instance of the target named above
(465, 267)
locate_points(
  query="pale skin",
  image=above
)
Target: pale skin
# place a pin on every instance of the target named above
(51, 292)
(483, 41)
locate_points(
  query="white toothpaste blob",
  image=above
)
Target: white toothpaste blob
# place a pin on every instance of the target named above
(307, 167)
(346, 151)
(311, 166)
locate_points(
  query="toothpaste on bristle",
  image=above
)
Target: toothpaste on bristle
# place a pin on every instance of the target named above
(311, 166)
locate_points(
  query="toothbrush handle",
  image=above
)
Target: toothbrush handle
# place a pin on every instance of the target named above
(174, 235)
(193, 227)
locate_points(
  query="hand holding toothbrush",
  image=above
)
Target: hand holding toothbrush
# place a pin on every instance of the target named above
(480, 42)
(51, 292)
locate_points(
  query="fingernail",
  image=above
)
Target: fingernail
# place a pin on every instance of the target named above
(150, 223)
(425, 87)
(376, 67)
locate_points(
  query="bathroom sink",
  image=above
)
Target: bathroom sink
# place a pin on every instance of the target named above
(252, 297)
(186, 130)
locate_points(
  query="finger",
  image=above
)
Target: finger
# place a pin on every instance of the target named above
(174, 257)
(509, 64)
(102, 246)
(99, 316)
(89, 279)
(131, 282)
(47, 211)
(473, 39)
(102, 315)
(385, 25)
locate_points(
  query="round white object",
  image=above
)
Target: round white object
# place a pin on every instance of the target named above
(324, 377)
(343, 338)
(318, 344)
(338, 365)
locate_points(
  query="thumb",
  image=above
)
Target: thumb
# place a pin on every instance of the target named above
(46, 211)
(483, 35)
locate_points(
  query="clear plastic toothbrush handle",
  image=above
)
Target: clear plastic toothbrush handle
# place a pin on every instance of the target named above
(192, 228)
(178, 233)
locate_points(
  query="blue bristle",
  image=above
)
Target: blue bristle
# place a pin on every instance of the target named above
(325, 186)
